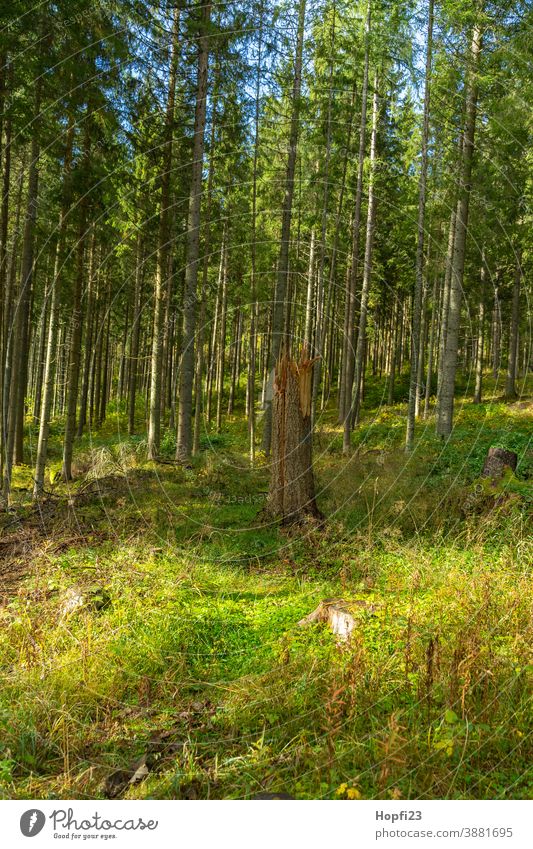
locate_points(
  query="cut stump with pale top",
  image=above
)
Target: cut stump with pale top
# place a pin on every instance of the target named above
(339, 615)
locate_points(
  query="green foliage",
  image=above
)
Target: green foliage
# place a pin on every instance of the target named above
(189, 630)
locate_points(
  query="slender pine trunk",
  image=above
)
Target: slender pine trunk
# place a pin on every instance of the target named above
(82, 418)
(160, 287)
(449, 366)
(184, 440)
(419, 272)
(478, 390)
(53, 324)
(431, 346)
(510, 383)
(354, 392)
(282, 275)
(349, 342)
(74, 350)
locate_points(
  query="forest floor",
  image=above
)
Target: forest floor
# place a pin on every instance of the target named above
(149, 644)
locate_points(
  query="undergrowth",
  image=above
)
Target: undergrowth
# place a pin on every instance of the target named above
(169, 627)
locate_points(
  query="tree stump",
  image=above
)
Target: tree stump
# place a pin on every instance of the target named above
(497, 461)
(338, 614)
(291, 495)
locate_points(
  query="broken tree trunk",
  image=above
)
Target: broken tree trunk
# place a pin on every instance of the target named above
(291, 496)
(497, 461)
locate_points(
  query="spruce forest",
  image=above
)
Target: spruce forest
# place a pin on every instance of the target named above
(266, 384)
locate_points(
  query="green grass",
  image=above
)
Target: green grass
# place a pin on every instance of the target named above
(189, 632)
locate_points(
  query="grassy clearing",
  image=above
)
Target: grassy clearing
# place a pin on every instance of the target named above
(186, 646)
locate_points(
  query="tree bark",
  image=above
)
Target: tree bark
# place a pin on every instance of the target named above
(221, 350)
(184, 440)
(395, 345)
(445, 306)
(10, 337)
(416, 353)
(422, 348)
(449, 365)
(75, 350)
(352, 406)
(200, 358)
(478, 389)
(135, 335)
(53, 325)
(5, 306)
(82, 418)
(291, 496)
(22, 310)
(235, 364)
(253, 280)
(320, 323)
(429, 375)
(510, 383)
(496, 334)
(160, 287)
(349, 342)
(282, 275)
(310, 299)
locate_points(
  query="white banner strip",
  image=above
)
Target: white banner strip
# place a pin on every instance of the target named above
(268, 824)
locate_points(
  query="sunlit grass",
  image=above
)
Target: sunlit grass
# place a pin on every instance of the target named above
(188, 628)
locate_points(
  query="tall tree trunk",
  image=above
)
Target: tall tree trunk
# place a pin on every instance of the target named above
(445, 306)
(447, 392)
(135, 334)
(416, 353)
(333, 265)
(53, 325)
(265, 350)
(104, 392)
(14, 395)
(320, 323)
(422, 348)
(352, 407)
(310, 299)
(395, 345)
(82, 418)
(253, 280)
(94, 387)
(210, 377)
(480, 333)
(10, 334)
(348, 357)
(236, 355)
(122, 353)
(75, 349)
(282, 275)
(5, 306)
(200, 359)
(221, 350)
(154, 423)
(510, 382)
(23, 309)
(38, 353)
(434, 317)
(496, 334)
(184, 440)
